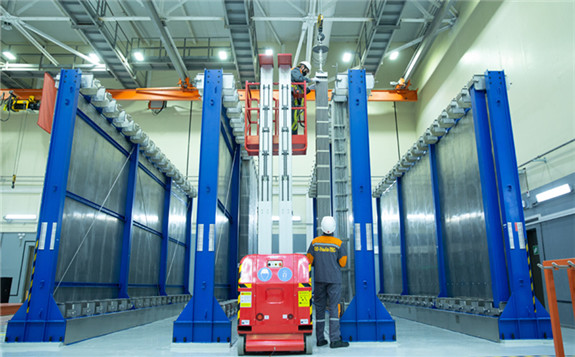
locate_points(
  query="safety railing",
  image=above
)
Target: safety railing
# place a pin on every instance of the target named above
(549, 266)
(252, 115)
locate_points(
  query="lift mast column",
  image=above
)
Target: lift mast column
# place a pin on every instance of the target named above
(265, 173)
(285, 155)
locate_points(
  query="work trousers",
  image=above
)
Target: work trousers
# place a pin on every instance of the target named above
(327, 294)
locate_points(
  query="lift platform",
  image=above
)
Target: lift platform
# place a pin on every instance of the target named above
(253, 114)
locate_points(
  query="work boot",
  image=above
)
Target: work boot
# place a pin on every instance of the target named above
(338, 344)
(321, 343)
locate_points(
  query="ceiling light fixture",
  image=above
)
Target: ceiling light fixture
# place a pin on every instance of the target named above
(20, 217)
(94, 57)
(269, 51)
(552, 193)
(393, 56)
(223, 55)
(9, 55)
(347, 57)
(139, 56)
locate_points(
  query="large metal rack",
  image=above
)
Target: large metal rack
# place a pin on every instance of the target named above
(452, 238)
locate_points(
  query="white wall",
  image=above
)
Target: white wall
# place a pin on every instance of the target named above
(534, 43)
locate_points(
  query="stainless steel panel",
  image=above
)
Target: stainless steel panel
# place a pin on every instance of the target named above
(145, 260)
(175, 270)
(98, 171)
(419, 217)
(149, 205)
(222, 255)
(391, 249)
(90, 250)
(147, 164)
(465, 241)
(224, 174)
(248, 210)
(177, 221)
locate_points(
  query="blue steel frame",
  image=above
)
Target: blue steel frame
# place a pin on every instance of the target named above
(523, 317)
(441, 271)
(365, 319)
(188, 252)
(129, 223)
(380, 245)
(203, 319)
(39, 319)
(234, 225)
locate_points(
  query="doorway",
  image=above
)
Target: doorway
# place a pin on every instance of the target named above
(535, 258)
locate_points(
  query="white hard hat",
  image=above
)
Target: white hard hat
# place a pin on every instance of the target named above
(306, 64)
(328, 225)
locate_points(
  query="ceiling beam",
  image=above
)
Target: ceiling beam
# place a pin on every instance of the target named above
(168, 42)
(269, 24)
(430, 36)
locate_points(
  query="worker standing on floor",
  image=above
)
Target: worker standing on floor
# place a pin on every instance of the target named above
(298, 75)
(327, 255)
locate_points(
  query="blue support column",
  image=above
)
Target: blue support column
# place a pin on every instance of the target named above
(128, 223)
(203, 319)
(234, 225)
(188, 252)
(39, 319)
(441, 272)
(402, 242)
(493, 225)
(380, 245)
(366, 319)
(165, 237)
(523, 317)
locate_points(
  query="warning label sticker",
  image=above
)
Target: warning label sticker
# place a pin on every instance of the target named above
(246, 299)
(303, 298)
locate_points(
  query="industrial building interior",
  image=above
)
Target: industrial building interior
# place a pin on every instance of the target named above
(146, 152)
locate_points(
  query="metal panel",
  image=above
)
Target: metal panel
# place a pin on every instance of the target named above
(248, 209)
(93, 176)
(175, 271)
(467, 257)
(419, 215)
(222, 255)
(178, 210)
(90, 248)
(144, 265)
(149, 205)
(391, 249)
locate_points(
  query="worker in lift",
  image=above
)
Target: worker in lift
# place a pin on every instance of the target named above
(327, 255)
(298, 74)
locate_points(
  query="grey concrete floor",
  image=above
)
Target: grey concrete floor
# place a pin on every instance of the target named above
(413, 339)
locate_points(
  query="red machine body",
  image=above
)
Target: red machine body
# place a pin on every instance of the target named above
(275, 311)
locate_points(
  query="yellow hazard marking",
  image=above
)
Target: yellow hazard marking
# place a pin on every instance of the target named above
(303, 298)
(246, 299)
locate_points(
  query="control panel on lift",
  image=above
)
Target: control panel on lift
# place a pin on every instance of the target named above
(275, 310)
